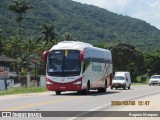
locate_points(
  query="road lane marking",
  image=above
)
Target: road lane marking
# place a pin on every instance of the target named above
(87, 112)
(40, 103)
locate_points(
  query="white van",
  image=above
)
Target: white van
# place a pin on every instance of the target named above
(121, 80)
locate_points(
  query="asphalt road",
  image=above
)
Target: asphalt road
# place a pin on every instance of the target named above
(72, 101)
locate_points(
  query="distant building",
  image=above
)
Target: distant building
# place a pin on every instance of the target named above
(6, 61)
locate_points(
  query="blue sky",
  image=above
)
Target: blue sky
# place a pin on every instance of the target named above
(147, 10)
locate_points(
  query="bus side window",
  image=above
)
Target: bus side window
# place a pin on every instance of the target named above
(87, 60)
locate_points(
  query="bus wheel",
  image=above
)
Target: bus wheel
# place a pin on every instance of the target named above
(58, 92)
(99, 90)
(103, 90)
(80, 92)
(86, 91)
(105, 86)
(128, 87)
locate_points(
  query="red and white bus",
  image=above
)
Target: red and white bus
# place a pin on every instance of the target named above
(77, 66)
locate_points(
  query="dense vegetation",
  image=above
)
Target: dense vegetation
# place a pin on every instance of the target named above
(87, 23)
(29, 28)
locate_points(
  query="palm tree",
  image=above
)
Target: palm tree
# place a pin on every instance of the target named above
(41, 46)
(22, 63)
(68, 37)
(48, 33)
(19, 7)
(14, 46)
(29, 47)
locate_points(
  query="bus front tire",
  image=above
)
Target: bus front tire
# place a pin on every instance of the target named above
(58, 92)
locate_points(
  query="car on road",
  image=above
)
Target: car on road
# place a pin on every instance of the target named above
(121, 80)
(155, 79)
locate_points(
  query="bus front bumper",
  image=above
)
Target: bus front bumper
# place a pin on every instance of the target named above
(63, 87)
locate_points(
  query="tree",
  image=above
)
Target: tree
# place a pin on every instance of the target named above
(152, 62)
(48, 33)
(19, 7)
(22, 63)
(68, 37)
(127, 58)
(13, 46)
(42, 46)
(29, 47)
(104, 45)
(1, 40)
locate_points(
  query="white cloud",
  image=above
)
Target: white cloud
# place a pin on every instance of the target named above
(147, 10)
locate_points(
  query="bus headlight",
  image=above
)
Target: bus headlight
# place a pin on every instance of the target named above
(48, 82)
(77, 83)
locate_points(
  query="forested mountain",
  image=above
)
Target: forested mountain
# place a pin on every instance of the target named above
(87, 23)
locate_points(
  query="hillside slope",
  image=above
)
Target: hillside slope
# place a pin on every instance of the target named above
(87, 23)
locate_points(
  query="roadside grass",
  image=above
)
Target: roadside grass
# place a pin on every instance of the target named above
(22, 90)
(140, 80)
(136, 84)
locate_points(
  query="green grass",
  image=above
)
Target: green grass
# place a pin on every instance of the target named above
(136, 84)
(22, 90)
(138, 81)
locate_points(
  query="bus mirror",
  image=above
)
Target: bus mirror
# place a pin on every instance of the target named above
(44, 55)
(81, 56)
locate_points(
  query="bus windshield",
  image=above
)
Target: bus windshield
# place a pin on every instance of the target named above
(64, 63)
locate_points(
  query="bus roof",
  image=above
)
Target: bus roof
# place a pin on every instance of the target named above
(101, 49)
(71, 45)
(76, 45)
